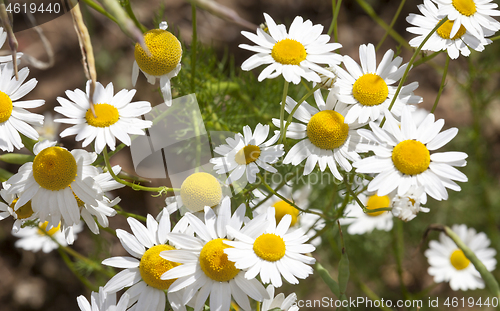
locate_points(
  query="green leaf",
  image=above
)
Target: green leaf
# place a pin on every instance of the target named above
(327, 278)
(343, 271)
(4, 175)
(16, 158)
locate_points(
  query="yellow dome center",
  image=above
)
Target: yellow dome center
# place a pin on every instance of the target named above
(247, 155)
(106, 115)
(5, 107)
(282, 208)
(327, 130)
(152, 267)
(370, 90)
(43, 227)
(165, 49)
(458, 260)
(214, 262)
(269, 246)
(465, 7)
(54, 168)
(289, 52)
(200, 190)
(375, 202)
(24, 211)
(411, 157)
(445, 30)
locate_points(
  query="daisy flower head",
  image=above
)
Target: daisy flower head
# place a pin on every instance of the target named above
(14, 118)
(441, 39)
(403, 157)
(39, 238)
(407, 206)
(115, 116)
(447, 263)
(280, 302)
(245, 154)
(368, 90)
(271, 251)
(206, 271)
(21, 215)
(326, 138)
(295, 54)
(56, 182)
(163, 62)
(102, 301)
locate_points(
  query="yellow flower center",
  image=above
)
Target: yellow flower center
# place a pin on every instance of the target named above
(42, 228)
(458, 260)
(165, 49)
(327, 130)
(247, 155)
(5, 107)
(445, 30)
(54, 168)
(24, 211)
(375, 202)
(152, 267)
(465, 7)
(289, 52)
(411, 157)
(370, 90)
(106, 115)
(214, 262)
(269, 246)
(200, 190)
(282, 208)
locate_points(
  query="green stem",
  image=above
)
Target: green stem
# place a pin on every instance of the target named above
(193, 48)
(425, 59)
(391, 25)
(398, 241)
(80, 277)
(282, 113)
(130, 12)
(441, 87)
(333, 25)
(100, 9)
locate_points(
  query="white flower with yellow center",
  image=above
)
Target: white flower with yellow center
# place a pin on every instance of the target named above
(244, 154)
(448, 263)
(206, 271)
(21, 215)
(115, 116)
(407, 206)
(361, 223)
(164, 62)
(295, 54)
(474, 15)
(403, 157)
(102, 301)
(142, 271)
(327, 139)
(39, 238)
(14, 118)
(54, 181)
(280, 302)
(441, 39)
(271, 251)
(368, 90)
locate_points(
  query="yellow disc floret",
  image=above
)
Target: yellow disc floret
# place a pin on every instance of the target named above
(200, 190)
(282, 208)
(289, 52)
(5, 107)
(247, 155)
(458, 260)
(411, 157)
(105, 115)
(444, 30)
(370, 90)
(327, 130)
(153, 266)
(269, 246)
(376, 202)
(54, 168)
(214, 262)
(24, 211)
(165, 49)
(465, 7)
(42, 227)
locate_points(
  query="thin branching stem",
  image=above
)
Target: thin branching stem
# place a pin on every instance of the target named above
(441, 87)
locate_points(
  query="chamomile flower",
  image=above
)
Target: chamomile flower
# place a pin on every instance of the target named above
(327, 139)
(14, 118)
(295, 54)
(244, 154)
(163, 63)
(102, 301)
(403, 157)
(39, 238)
(115, 116)
(474, 15)
(50, 129)
(407, 206)
(54, 182)
(441, 39)
(270, 250)
(21, 215)
(368, 90)
(448, 263)
(206, 271)
(280, 302)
